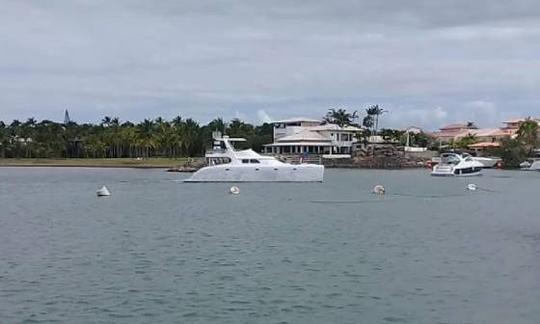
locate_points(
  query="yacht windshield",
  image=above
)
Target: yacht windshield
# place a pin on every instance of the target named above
(450, 159)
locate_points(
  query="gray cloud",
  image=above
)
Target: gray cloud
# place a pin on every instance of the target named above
(427, 62)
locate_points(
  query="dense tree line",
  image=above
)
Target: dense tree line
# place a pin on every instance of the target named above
(114, 139)
(150, 138)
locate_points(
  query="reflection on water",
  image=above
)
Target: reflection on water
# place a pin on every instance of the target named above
(159, 250)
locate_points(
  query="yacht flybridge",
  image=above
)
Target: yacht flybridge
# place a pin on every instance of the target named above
(225, 164)
(454, 164)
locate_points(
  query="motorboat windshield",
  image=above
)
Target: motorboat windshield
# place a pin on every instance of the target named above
(450, 158)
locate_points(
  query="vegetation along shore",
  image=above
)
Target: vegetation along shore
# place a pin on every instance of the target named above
(180, 143)
(150, 163)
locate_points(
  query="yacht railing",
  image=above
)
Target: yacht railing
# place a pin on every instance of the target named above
(298, 159)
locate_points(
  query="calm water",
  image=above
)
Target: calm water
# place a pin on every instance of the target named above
(159, 250)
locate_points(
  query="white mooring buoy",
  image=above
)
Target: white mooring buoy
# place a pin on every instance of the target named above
(103, 192)
(234, 190)
(379, 190)
(471, 187)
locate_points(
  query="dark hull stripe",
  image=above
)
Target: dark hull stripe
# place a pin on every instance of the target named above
(467, 170)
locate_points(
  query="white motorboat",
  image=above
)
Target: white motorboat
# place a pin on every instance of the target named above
(225, 164)
(454, 164)
(487, 162)
(530, 165)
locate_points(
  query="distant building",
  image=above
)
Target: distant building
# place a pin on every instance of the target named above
(306, 135)
(67, 120)
(448, 133)
(511, 126)
(486, 138)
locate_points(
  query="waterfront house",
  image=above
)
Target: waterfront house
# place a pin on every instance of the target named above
(301, 135)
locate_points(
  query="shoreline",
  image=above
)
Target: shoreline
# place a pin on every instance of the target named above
(96, 166)
(153, 163)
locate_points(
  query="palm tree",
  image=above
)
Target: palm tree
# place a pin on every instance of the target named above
(177, 121)
(27, 135)
(146, 137)
(340, 117)
(375, 111)
(368, 122)
(190, 134)
(217, 125)
(166, 137)
(128, 138)
(106, 121)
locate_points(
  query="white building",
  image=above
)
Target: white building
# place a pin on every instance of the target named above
(306, 135)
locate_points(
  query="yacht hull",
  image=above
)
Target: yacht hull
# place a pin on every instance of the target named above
(487, 162)
(449, 171)
(259, 173)
(441, 174)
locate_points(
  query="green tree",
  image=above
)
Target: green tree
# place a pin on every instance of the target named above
(128, 138)
(391, 134)
(527, 135)
(146, 137)
(217, 125)
(512, 152)
(422, 139)
(4, 139)
(27, 133)
(465, 141)
(373, 113)
(340, 117)
(190, 134)
(263, 135)
(238, 128)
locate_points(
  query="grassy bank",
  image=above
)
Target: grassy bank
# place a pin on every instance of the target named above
(96, 163)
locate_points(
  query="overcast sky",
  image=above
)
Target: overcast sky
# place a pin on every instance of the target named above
(427, 62)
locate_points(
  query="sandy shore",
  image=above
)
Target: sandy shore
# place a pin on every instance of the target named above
(152, 163)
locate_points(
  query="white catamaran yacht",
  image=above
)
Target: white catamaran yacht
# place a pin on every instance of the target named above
(225, 164)
(454, 164)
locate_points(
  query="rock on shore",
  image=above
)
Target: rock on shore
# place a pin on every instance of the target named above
(381, 157)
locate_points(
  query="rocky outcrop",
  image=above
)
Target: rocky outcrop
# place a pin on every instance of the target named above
(380, 157)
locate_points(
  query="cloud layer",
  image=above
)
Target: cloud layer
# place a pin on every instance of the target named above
(427, 62)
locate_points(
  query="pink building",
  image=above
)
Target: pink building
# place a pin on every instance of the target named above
(448, 133)
(485, 137)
